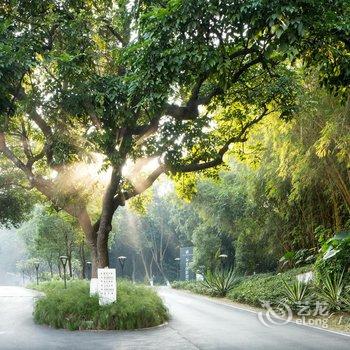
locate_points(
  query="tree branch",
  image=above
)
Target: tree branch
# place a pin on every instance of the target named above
(41, 123)
(190, 110)
(186, 168)
(146, 130)
(12, 157)
(115, 33)
(93, 116)
(121, 197)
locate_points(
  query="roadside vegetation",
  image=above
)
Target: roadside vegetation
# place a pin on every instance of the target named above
(73, 308)
(250, 290)
(331, 293)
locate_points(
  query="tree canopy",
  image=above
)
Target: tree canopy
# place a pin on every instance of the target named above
(173, 81)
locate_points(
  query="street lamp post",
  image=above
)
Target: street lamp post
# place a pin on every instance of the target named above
(89, 266)
(223, 257)
(64, 260)
(177, 268)
(122, 260)
(36, 265)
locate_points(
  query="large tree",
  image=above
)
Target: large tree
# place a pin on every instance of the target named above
(177, 81)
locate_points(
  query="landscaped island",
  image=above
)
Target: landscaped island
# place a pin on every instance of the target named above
(137, 306)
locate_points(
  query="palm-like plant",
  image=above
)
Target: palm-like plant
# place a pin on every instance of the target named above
(295, 292)
(333, 290)
(220, 282)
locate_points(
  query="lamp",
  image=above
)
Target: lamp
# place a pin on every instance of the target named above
(122, 260)
(178, 267)
(64, 260)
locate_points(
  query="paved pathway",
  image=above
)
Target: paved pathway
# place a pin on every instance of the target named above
(197, 323)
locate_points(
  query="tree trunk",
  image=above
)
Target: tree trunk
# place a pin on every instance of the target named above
(91, 239)
(50, 266)
(161, 270)
(102, 246)
(59, 268)
(82, 261)
(147, 274)
(70, 266)
(109, 206)
(94, 262)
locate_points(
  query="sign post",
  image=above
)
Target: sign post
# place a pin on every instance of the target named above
(107, 286)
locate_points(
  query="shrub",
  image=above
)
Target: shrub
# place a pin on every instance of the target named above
(334, 257)
(295, 292)
(192, 286)
(333, 291)
(220, 282)
(263, 287)
(251, 289)
(297, 258)
(136, 307)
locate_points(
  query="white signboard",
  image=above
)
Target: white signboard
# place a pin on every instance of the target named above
(107, 286)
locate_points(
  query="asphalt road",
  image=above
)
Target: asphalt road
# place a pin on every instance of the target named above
(197, 323)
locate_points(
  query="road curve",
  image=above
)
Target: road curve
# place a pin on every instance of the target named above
(197, 323)
(209, 324)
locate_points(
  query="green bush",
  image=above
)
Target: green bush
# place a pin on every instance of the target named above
(251, 289)
(264, 287)
(136, 307)
(334, 291)
(192, 286)
(296, 293)
(220, 282)
(334, 257)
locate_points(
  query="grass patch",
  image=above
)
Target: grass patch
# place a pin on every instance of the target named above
(136, 307)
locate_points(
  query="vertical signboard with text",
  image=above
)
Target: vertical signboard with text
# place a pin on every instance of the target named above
(186, 258)
(107, 286)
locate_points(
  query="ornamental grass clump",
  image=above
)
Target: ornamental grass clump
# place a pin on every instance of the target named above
(220, 282)
(73, 308)
(295, 292)
(334, 292)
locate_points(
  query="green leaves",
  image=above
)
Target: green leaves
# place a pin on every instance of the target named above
(220, 283)
(73, 308)
(15, 206)
(100, 76)
(330, 253)
(333, 291)
(295, 292)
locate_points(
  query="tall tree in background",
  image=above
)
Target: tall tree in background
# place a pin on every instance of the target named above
(126, 81)
(49, 235)
(16, 201)
(152, 238)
